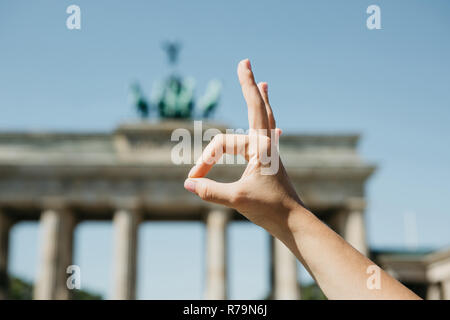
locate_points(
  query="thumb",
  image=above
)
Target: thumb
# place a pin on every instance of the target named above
(279, 132)
(210, 190)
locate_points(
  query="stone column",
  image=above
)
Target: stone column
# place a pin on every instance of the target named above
(57, 227)
(5, 226)
(284, 280)
(350, 224)
(126, 224)
(446, 289)
(216, 253)
(433, 291)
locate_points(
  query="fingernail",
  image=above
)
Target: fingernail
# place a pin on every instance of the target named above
(266, 87)
(192, 171)
(190, 185)
(249, 65)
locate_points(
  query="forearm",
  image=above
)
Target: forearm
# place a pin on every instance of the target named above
(340, 270)
(270, 201)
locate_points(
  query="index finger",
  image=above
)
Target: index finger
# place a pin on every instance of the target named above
(264, 91)
(220, 144)
(257, 114)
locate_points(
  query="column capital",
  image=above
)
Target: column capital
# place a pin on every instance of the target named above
(213, 208)
(216, 206)
(61, 209)
(130, 204)
(134, 212)
(355, 204)
(54, 203)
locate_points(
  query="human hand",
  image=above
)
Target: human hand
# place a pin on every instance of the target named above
(264, 193)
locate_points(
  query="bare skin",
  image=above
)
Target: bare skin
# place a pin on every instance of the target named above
(270, 201)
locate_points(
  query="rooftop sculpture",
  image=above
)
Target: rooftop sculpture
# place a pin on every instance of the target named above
(174, 97)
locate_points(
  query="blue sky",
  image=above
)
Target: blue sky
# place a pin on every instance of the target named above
(326, 71)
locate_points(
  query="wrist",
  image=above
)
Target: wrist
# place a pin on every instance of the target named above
(298, 218)
(293, 218)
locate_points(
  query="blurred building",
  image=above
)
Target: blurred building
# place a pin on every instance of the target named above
(127, 176)
(425, 272)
